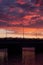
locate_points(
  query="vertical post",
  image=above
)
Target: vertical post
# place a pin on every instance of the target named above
(23, 29)
(6, 31)
(36, 33)
(6, 24)
(28, 56)
(23, 32)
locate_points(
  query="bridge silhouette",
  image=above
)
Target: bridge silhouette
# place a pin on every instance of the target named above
(15, 45)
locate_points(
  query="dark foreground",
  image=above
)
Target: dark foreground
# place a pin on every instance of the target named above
(22, 42)
(27, 59)
(21, 51)
(18, 43)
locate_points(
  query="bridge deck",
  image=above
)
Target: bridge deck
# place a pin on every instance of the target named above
(18, 44)
(21, 42)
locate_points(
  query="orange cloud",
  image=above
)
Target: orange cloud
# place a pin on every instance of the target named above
(20, 10)
(28, 32)
(28, 17)
(32, 14)
(41, 17)
(14, 22)
(25, 22)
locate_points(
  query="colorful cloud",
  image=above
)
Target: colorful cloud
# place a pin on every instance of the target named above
(19, 13)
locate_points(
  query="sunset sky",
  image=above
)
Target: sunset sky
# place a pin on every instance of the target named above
(20, 18)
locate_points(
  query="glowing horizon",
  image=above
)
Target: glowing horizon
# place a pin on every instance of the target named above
(23, 33)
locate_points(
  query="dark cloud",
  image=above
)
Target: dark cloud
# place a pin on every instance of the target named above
(22, 11)
(3, 23)
(38, 24)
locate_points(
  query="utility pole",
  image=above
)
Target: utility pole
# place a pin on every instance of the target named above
(6, 31)
(23, 29)
(6, 27)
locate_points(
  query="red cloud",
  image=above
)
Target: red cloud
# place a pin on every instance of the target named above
(11, 17)
(27, 17)
(19, 10)
(37, 5)
(40, 2)
(21, 2)
(41, 17)
(11, 9)
(0, 1)
(2, 20)
(15, 22)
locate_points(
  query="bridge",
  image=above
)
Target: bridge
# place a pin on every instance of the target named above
(18, 43)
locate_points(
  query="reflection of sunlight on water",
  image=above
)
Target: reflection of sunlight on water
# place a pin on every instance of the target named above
(39, 59)
(28, 56)
(3, 56)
